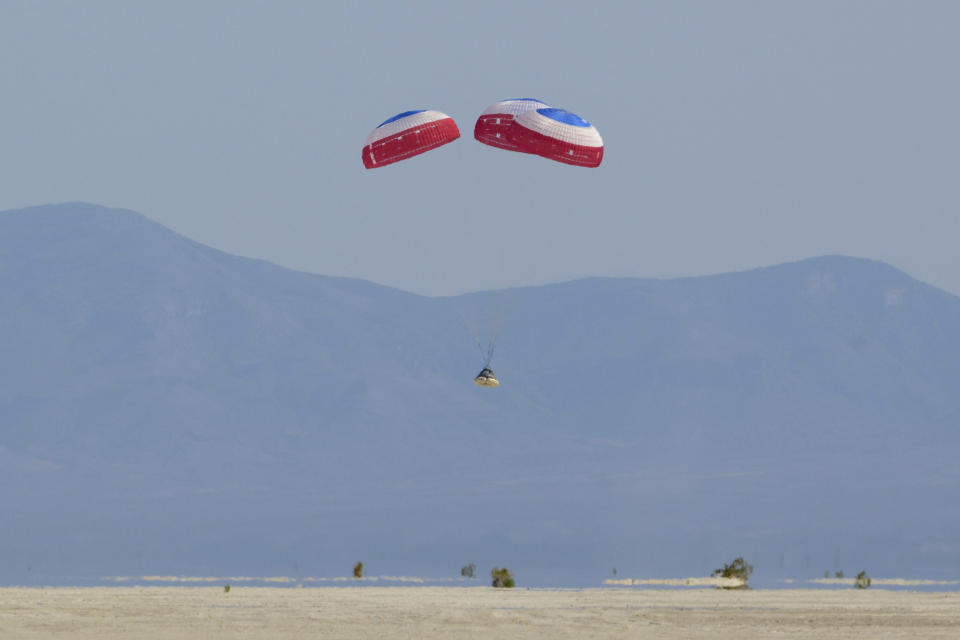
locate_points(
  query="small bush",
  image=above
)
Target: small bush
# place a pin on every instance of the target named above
(468, 570)
(863, 580)
(358, 570)
(502, 578)
(737, 569)
(226, 588)
(838, 574)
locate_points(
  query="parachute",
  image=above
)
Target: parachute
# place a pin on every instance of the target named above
(493, 125)
(559, 135)
(406, 135)
(524, 125)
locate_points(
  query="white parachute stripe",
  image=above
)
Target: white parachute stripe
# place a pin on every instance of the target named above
(408, 122)
(514, 107)
(581, 136)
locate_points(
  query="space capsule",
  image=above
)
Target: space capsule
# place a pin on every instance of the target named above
(486, 379)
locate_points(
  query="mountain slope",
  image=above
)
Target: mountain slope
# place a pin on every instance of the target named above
(166, 407)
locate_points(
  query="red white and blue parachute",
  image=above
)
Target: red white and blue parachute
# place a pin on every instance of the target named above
(408, 134)
(559, 135)
(521, 124)
(493, 125)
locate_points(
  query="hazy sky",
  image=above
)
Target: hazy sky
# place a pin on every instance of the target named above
(737, 134)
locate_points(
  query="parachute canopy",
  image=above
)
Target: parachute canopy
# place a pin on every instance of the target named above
(559, 135)
(494, 123)
(486, 379)
(408, 134)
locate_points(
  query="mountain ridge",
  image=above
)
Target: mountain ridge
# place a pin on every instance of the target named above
(85, 209)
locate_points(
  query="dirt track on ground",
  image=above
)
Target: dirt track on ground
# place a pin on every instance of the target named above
(474, 612)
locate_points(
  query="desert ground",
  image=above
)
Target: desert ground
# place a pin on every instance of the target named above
(472, 612)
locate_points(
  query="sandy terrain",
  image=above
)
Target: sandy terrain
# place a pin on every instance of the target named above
(472, 612)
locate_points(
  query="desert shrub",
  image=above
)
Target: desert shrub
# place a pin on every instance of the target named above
(358, 570)
(226, 588)
(468, 570)
(737, 569)
(863, 580)
(502, 578)
(838, 574)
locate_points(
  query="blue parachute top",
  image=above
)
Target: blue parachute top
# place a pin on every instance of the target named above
(564, 116)
(400, 115)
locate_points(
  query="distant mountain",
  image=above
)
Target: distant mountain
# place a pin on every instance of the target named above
(169, 408)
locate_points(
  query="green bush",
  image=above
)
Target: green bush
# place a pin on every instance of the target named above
(502, 578)
(737, 569)
(358, 570)
(226, 588)
(468, 570)
(863, 580)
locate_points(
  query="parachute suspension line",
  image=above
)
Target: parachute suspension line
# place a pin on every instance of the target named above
(486, 354)
(497, 312)
(496, 325)
(486, 350)
(488, 357)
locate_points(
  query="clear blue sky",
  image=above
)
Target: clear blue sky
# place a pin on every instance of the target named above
(737, 134)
